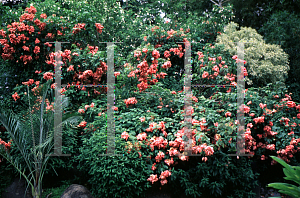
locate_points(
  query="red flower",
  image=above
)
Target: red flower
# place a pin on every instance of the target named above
(167, 65)
(26, 58)
(31, 10)
(167, 54)
(227, 114)
(291, 104)
(49, 35)
(30, 82)
(99, 27)
(59, 33)
(48, 76)
(78, 27)
(15, 96)
(205, 74)
(48, 44)
(27, 17)
(37, 41)
(155, 54)
(125, 135)
(82, 124)
(36, 50)
(25, 48)
(3, 33)
(43, 16)
(116, 74)
(261, 105)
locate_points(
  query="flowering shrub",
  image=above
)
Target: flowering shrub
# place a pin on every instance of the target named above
(150, 135)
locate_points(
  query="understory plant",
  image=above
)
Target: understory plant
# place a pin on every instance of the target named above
(32, 139)
(292, 173)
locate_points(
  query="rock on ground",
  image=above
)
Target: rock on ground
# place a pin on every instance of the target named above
(76, 191)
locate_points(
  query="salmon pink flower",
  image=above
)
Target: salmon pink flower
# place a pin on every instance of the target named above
(70, 68)
(169, 162)
(130, 101)
(81, 111)
(25, 48)
(262, 106)
(291, 104)
(215, 68)
(234, 57)
(205, 74)
(48, 76)
(142, 119)
(153, 166)
(167, 65)
(167, 54)
(15, 96)
(246, 109)
(43, 16)
(116, 74)
(271, 147)
(227, 114)
(259, 120)
(250, 125)
(209, 151)
(82, 124)
(142, 136)
(31, 10)
(99, 27)
(37, 41)
(152, 178)
(159, 156)
(155, 54)
(184, 158)
(36, 50)
(125, 135)
(145, 50)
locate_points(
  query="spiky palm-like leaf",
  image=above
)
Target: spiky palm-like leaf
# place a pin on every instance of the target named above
(37, 136)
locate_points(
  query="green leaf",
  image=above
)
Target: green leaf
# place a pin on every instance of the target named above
(285, 188)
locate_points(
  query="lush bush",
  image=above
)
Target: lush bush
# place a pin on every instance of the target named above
(112, 176)
(220, 176)
(155, 121)
(267, 63)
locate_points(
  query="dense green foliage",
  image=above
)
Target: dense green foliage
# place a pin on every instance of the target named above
(266, 63)
(144, 37)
